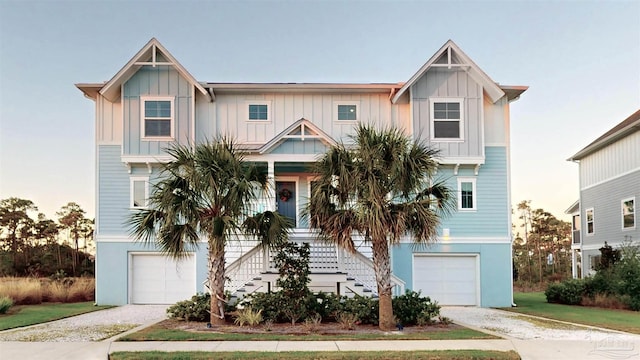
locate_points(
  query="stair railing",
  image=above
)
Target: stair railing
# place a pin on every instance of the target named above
(360, 267)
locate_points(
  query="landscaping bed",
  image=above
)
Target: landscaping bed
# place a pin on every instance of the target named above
(176, 330)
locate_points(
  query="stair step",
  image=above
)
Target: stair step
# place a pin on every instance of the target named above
(249, 284)
(257, 278)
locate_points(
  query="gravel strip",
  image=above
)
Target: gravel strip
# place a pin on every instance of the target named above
(94, 326)
(527, 328)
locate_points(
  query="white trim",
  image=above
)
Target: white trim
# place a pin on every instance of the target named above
(258, 102)
(461, 160)
(632, 199)
(144, 159)
(476, 257)
(132, 181)
(296, 180)
(611, 178)
(432, 120)
(337, 103)
(463, 240)
(143, 118)
(474, 194)
(284, 157)
(586, 221)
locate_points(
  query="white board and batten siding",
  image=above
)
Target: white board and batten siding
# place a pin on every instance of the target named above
(157, 279)
(612, 161)
(447, 278)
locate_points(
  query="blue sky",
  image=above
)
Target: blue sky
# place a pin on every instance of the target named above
(580, 59)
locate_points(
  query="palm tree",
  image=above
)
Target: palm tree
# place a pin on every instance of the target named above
(381, 188)
(206, 190)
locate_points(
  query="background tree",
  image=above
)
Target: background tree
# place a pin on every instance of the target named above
(15, 224)
(544, 253)
(381, 188)
(71, 218)
(207, 189)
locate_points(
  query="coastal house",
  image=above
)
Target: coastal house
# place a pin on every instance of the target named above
(609, 179)
(449, 103)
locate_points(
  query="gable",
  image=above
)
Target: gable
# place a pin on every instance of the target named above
(451, 57)
(300, 137)
(152, 54)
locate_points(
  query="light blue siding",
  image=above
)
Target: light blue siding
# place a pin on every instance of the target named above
(112, 270)
(292, 146)
(495, 267)
(491, 219)
(113, 191)
(158, 81)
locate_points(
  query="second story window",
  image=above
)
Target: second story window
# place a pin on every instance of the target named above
(466, 194)
(590, 224)
(258, 112)
(346, 111)
(628, 214)
(446, 119)
(157, 117)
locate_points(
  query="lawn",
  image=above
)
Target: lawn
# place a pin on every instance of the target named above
(329, 355)
(535, 303)
(24, 315)
(171, 331)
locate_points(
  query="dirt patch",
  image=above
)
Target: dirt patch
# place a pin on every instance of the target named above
(298, 329)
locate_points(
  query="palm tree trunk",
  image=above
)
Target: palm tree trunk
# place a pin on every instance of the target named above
(382, 268)
(216, 280)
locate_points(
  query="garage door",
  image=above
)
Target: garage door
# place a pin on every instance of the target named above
(451, 280)
(157, 279)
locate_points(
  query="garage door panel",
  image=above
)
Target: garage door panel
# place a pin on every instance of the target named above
(157, 279)
(450, 280)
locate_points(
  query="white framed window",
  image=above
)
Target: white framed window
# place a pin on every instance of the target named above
(628, 213)
(467, 194)
(346, 110)
(589, 216)
(139, 192)
(157, 117)
(447, 120)
(258, 111)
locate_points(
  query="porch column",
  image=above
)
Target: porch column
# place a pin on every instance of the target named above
(271, 179)
(574, 264)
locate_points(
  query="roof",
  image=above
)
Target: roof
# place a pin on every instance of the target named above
(626, 127)
(574, 208)
(303, 87)
(148, 55)
(456, 58)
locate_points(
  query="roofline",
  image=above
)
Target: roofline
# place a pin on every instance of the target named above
(513, 92)
(284, 87)
(575, 207)
(628, 126)
(489, 85)
(90, 90)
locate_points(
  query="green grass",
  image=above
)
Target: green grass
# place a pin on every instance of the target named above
(535, 303)
(159, 333)
(25, 315)
(328, 355)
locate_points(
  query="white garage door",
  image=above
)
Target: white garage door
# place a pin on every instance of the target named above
(451, 280)
(158, 279)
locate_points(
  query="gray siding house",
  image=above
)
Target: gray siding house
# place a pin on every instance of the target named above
(609, 193)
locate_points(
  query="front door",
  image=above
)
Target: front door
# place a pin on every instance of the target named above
(286, 199)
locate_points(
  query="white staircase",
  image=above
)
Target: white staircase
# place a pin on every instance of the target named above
(333, 270)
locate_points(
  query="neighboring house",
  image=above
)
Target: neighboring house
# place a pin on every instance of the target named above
(450, 103)
(609, 193)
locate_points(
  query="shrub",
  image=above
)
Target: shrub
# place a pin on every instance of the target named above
(312, 324)
(196, 309)
(412, 309)
(364, 308)
(248, 317)
(269, 304)
(327, 305)
(5, 304)
(347, 321)
(568, 292)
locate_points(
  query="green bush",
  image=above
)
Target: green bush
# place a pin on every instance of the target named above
(196, 309)
(627, 274)
(364, 308)
(5, 304)
(270, 304)
(327, 305)
(568, 292)
(412, 309)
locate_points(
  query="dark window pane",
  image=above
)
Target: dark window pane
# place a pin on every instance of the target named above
(440, 106)
(466, 195)
(139, 194)
(437, 114)
(453, 115)
(157, 128)
(453, 106)
(157, 108)
(446, 129)
(258, 112)
(347, 112)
